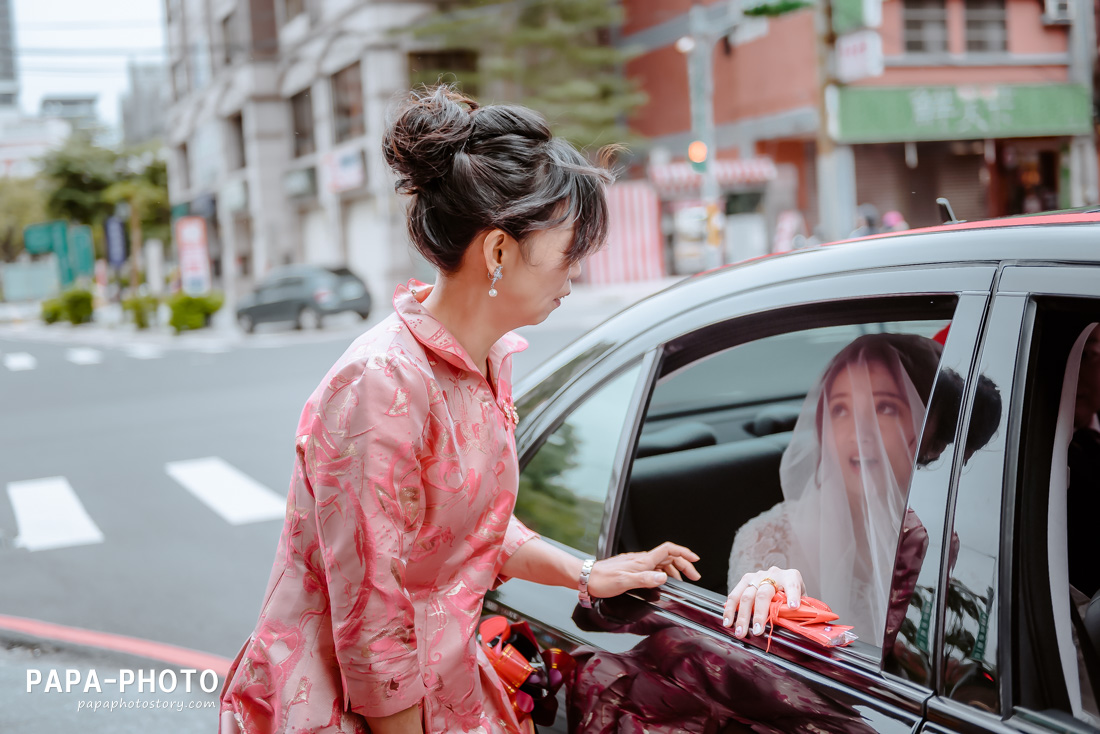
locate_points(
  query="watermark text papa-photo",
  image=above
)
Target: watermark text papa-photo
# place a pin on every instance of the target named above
(145, 681)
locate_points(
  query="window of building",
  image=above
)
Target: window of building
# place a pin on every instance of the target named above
(231, 42)
(179, 80)
(200, 64)
(985, 26)
(563, 487)
(183, 162)
(292, 9)
(301, 112)
(925, 26)
(347, 103)
(426, 67)
(237, 158)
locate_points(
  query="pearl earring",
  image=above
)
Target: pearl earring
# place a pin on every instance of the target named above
(497, 275)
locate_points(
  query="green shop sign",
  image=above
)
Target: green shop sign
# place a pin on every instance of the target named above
(896, 115)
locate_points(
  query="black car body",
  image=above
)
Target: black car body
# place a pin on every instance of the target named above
(668, 422)
(304, 295)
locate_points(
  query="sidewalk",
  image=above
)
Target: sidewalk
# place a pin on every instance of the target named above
(586, 307)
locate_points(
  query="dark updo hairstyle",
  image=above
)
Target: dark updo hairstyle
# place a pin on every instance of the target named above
(470, 168)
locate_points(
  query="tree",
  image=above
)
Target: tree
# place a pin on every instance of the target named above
(551, 55)
(76, 175)
(22, 202)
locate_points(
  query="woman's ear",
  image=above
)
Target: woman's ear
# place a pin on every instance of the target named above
(493, 243)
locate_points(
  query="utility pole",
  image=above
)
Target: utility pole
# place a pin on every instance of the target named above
(706, 31)
(836, 186)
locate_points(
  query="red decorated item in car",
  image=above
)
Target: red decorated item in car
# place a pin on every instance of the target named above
(531, 675)
(813, 620)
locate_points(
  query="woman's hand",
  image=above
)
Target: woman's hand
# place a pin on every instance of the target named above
(626, 571)
(753, 595)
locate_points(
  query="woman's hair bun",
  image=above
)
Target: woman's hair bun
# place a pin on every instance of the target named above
(426, 132)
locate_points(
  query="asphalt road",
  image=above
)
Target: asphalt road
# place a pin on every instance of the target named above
(109, 420)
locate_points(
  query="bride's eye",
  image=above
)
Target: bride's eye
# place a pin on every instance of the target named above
(888, 408)
(838, 410)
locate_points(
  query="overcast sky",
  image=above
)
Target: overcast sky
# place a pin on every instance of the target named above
(67, 46)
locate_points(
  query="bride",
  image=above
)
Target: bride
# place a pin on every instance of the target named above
(844, 477)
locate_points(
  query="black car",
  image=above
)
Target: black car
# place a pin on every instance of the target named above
(304, 295)
(668, 422)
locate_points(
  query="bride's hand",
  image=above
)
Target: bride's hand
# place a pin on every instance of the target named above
(626, 571)
(753, 595)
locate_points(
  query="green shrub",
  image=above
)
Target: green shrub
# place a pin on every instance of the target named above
(77, 305)
(144, 309)
(193, 312)
(53, 310)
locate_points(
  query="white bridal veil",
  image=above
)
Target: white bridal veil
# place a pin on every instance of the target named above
(846, 473)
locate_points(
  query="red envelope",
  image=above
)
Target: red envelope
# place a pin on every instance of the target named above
(813, 620)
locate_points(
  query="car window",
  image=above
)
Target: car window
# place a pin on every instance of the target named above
(563, 486)
(1057, 507)
(715, 434)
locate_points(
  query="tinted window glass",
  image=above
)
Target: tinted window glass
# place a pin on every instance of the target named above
(1056, 511)
(563, 487)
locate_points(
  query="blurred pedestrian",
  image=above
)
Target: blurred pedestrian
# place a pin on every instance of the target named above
(867, 221)
(893, 221)
(399, 516)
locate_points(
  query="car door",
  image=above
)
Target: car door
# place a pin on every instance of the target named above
(1011, 661)
(644, 634)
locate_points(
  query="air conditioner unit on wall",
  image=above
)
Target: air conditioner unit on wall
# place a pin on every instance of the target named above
(1057, 12)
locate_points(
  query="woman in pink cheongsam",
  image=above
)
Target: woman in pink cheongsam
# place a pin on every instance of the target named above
(399, 516)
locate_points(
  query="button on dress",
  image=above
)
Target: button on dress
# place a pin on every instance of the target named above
(399, 519)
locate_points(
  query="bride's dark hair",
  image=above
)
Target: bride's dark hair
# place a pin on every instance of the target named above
(470, 168)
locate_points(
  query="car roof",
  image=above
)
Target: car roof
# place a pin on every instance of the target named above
(1071, 237)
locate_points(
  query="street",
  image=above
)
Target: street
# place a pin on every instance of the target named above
(110, 425)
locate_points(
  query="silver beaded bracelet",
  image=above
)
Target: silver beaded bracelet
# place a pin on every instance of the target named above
(586, 571)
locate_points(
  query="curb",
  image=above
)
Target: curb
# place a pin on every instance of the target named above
(181, 657)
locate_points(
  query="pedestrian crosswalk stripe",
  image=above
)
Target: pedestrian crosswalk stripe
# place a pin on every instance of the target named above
(235, 496)
(49, 515)
(84, 355)
(19, 361)
(144, 351)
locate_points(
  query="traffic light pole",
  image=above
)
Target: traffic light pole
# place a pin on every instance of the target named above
(706, 31)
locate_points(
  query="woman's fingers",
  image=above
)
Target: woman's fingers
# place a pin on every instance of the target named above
(764, 593)
(744, 611)
(794, 588)
(677, 555)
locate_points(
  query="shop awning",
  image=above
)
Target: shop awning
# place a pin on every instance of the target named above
(635, 247)
(681, 178)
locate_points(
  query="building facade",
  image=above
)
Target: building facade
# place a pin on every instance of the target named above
(9, 78)
(144, 108)
(275, 133)
(985, 102)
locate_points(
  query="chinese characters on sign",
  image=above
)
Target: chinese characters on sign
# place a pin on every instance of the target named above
(976, 110)
(871, 114)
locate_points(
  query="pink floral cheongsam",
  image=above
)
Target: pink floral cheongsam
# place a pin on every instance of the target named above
(399, 519)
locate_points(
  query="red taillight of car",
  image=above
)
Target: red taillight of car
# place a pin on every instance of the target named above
(323, 295)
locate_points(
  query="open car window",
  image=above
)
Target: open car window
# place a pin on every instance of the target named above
(708, 456)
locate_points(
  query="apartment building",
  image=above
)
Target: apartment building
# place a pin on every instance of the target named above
(275, 128)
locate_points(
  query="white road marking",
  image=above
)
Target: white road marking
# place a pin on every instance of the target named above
(226, 490)
(84, 355)
(144, 351)
(49, 515)
(19, 361)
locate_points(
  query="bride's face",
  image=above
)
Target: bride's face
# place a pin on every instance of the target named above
(872, 428)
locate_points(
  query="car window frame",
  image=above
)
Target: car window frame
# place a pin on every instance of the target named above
(1036, 282)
